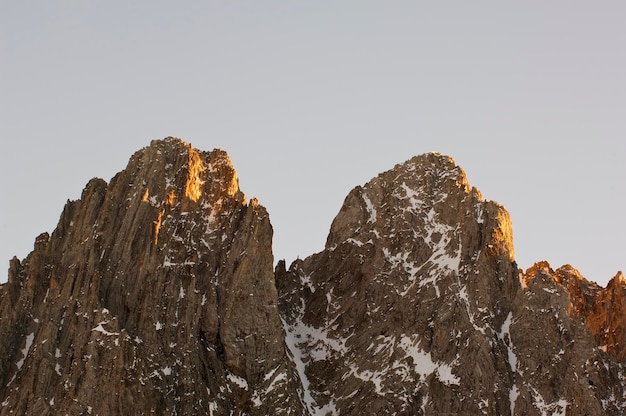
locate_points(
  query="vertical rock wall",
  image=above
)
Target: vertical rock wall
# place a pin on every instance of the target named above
(155, 293)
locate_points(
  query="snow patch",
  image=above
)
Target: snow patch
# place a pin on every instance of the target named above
(297, 357)
(413, 197)
(305, 280)
(423, 363)
(168, 262)
(505, 336)
(213, 407)
(513, 395)
(29, 343)
(239, 381)
(479, 213)
(370, 208)
(282, 376)
(392, 357)
(299, 337)
(358, 243)
(465, 298)
(445, 255)
(100, 328)
(558, 408)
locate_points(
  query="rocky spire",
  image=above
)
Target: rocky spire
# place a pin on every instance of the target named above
(603, 310)
(155, 293)
(417, 278)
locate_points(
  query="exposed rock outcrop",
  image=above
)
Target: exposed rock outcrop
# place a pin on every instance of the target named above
(416, 306)
(155, 294)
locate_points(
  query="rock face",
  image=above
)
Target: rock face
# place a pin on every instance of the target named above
(416, 306)
(156, 295)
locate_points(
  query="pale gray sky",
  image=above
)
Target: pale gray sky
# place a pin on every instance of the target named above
(313, 98)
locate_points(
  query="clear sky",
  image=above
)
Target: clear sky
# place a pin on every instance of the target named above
(311, 98)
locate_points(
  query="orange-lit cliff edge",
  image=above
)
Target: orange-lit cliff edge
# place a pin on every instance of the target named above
(603, 310)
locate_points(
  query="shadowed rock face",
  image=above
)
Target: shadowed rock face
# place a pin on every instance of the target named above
(156, 294)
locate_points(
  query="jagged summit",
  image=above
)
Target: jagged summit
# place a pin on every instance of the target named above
(414, 251)
(427, 197)
(603, 310)
(428, 192)
(180, 167)
(155, 294)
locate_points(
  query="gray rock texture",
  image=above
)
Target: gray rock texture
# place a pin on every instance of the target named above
(156, 294)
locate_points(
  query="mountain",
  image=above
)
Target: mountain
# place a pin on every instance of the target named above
(156, 294)
(416, 306)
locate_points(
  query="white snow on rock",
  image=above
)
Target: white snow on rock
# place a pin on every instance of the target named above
(558, 408)
(370, 208)
(306, 344)
(423, 363)
(393, 357)
(513, 395)
(29, 343)
(321, 345)
(445, 257)
(505, 336)
(239, 381)
(100, 328)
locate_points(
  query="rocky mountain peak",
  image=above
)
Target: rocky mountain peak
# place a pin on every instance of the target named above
(416, 306)
(177, 171)
(414, 251)
(619, 280)
(428, 192)
(155, 294)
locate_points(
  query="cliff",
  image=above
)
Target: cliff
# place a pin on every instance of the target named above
(154, 294)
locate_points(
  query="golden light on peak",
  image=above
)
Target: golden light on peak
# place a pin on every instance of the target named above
(193, 188)
(503, 233)
(233, 186)
(157, 226)
(146, 195)
(171, 197)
